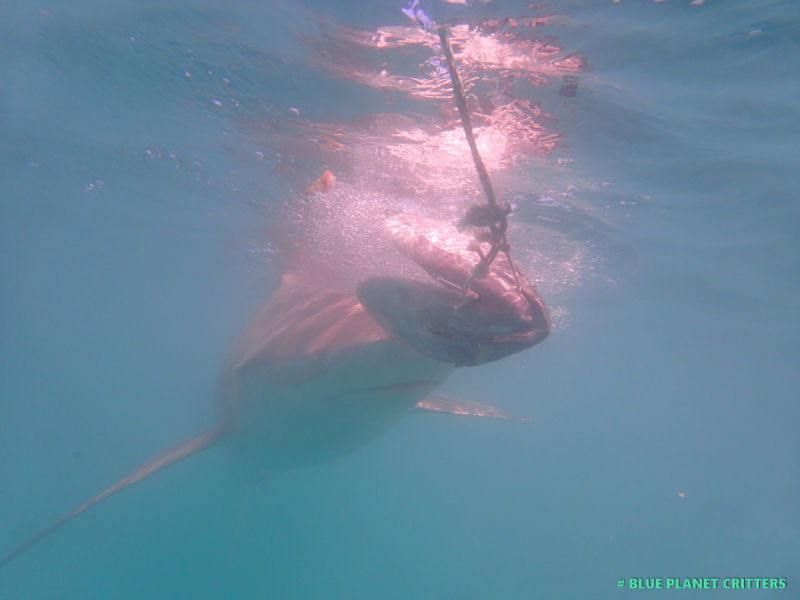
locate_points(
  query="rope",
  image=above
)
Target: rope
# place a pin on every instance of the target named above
(494, 215)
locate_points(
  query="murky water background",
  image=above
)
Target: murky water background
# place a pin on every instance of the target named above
(153, 159)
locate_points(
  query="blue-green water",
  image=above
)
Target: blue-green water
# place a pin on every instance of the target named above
(151, 155)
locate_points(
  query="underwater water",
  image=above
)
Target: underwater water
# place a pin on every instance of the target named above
(153, 157)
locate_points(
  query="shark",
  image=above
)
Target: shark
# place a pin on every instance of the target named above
(318, 373)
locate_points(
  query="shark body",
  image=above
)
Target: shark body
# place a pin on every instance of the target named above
(318, 373)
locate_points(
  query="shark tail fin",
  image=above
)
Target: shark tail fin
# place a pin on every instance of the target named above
(457, 406)
(204, 440)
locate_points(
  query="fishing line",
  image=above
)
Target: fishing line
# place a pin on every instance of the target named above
(494, 216)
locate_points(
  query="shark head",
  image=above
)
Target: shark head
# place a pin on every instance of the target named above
(442, 322)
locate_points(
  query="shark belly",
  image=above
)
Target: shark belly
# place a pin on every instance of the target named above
(310, 411)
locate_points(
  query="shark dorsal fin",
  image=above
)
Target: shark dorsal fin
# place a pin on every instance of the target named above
(204, 440)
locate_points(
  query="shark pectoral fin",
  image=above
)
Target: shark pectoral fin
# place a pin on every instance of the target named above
(204, 440)
(246, 486)
(457, 406)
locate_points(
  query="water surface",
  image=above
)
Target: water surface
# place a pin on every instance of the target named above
(153, 159)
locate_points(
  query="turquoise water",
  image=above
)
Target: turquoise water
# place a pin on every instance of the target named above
(153, 158)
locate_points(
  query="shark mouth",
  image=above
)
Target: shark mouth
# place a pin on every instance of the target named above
(442, 322)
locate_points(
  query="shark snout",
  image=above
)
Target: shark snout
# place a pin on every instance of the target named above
(447, 325)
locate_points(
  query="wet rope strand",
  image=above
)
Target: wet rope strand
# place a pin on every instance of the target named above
(463, 111)
(498, 224)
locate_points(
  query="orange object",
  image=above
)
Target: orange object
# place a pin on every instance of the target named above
(324, 184)
(681, 494)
